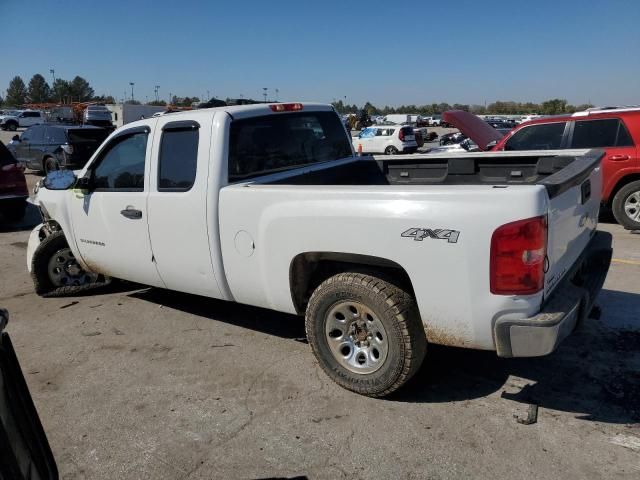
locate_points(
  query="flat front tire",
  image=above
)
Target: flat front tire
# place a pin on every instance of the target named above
(626, 206)
(366, 333)
(55, 271)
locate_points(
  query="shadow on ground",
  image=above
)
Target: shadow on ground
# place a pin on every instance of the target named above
(591, 374)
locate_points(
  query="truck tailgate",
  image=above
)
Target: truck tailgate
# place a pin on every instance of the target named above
(574, 203)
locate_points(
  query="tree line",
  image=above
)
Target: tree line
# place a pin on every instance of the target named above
(79, 90)
(550, 107)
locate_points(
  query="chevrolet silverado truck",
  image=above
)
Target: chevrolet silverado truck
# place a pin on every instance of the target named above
(267, 205)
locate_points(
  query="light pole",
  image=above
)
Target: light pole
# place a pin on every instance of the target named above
(264, 93)
(208, 96)
(132, 84)
(277, 91)
(157, 93)
(170, 99)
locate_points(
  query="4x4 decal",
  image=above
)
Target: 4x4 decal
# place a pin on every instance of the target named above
(420, 234)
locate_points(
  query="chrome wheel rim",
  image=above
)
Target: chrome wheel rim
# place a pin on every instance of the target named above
(632, 206)
(64, 270)
(356, 337)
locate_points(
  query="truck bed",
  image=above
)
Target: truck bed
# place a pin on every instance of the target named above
(556, 170)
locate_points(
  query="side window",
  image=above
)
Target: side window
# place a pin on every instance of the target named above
(121, 166)
(595, 133)
(27, 135)
(546, 136)
(379, 132)
(55, 136)
(37, 135)
(624, 138)
(178, 159)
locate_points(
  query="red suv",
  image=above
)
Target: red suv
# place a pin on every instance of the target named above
(615, 130)
(13, 187)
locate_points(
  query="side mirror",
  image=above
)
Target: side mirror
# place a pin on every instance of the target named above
(491, 144)
(59, 180)
(15, 138)
(85, 183)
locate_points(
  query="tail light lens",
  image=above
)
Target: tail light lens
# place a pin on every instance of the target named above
(518, 252)
(67, 148)
(401, 135)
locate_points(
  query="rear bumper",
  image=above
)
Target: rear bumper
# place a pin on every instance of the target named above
(565, 309)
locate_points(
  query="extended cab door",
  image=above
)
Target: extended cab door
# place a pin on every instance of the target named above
(182, 212)
(110, 218)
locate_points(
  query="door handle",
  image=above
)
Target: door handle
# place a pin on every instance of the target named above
(617, 158)
(131, 213)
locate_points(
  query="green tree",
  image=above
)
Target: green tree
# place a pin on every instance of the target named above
(39, 90)
(60, 90)
(554, 107)
(1, 101)
(80, 90)
(158, 103)
(16, 93)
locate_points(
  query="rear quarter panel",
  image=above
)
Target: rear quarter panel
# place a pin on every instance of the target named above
(451, 280)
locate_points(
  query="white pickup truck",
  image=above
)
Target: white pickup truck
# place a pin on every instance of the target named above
(267, 205)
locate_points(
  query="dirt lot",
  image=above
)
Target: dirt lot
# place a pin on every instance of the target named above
(136, 383)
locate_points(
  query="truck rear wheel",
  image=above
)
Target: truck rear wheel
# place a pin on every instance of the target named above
(366, 333)
(626, 206)
(55, 271)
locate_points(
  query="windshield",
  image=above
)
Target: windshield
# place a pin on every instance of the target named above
(12, 113)
(89, 135)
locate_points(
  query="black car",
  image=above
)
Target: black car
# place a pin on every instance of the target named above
(49, 147)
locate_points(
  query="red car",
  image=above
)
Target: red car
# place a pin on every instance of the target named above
(615, 130)
(13, 187)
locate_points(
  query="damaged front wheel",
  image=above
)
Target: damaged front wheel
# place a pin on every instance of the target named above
(56, 272)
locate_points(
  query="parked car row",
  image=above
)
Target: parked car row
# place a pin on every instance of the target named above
(49, 147)
(615, 130)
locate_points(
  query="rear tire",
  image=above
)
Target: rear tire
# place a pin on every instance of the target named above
(391, 150)
(71, 280)
(12, 126)
(366, 333)
(626, 206)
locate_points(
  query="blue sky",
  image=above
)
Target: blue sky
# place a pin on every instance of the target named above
(387, 52)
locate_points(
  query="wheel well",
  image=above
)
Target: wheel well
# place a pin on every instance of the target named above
(308, 270)
(621, 183)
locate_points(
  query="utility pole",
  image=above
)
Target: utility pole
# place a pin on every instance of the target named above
(132, 84)
(157, 93)
(264, 93)
(277, 91)
(208, 96)
(170, 99)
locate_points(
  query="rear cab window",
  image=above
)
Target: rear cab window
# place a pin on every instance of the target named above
(545, 136)
(283, 141)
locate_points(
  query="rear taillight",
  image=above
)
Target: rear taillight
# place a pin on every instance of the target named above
(401, 135)
(286, 107)
(518, 252)
(67, 148)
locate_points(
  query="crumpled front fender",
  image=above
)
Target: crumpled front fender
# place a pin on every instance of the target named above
(35, 237)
